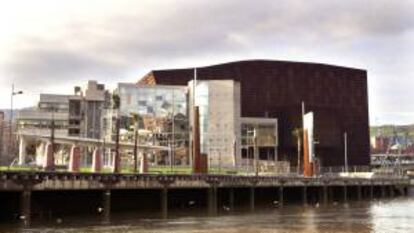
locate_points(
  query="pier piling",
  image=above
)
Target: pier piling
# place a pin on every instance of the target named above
(164, 202)
(345, 193)
(305, 195)
(391, 188)
(252, 198)
(382, 191)
(281, 195)
(325, 194)
(212, 200)
(359, 192)
(25, 206)
(231, 199)
(106, 205)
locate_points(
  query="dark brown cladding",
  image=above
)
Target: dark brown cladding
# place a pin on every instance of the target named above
(337, 95)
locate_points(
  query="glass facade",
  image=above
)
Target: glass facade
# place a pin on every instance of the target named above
(161, 110)
(154, 101)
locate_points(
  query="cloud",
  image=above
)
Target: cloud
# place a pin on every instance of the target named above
(62, 44)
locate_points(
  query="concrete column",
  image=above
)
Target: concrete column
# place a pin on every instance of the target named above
(109, 159)
(40, 153)
(96, 160)
(74, 159)
(106, 203)
(164, 202)
(22, 151)
(325, 194)
(49, 159)
(25, 207)
(359, 192)
(345, 193)
(212, 200)
(281, 195)
(231, 199)
(144, 163)
(305, 195)
(252, 198)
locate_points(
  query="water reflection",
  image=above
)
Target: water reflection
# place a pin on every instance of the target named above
(385, 216)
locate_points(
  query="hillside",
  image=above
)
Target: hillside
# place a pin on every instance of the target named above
(390, 130)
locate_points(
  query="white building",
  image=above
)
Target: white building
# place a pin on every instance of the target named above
(226, 137)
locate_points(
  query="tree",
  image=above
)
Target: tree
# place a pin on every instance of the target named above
(116, 101)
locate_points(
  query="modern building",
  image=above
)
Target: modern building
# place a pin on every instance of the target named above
(219, 110)
(73, 115)
(276, 89)
(162, 118)
(76, 115)
(38, 120)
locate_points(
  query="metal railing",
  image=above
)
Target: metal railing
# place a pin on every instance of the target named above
(339, 169)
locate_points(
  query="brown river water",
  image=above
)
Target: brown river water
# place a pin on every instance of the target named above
(387, 216)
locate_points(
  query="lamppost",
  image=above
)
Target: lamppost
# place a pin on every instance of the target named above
(13, 93)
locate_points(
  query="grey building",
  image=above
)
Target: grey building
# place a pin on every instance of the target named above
(85, 110)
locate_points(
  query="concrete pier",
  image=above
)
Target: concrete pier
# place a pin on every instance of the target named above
(216, 187)
(144, 163)
(96, 160)
(22, 151)
(74, 159)
(49, 158)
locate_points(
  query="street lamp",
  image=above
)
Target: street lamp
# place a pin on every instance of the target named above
(13, 93)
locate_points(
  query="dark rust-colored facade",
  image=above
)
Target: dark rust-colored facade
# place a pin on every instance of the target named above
(337, 96)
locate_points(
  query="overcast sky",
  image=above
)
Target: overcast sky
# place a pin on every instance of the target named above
(50, 46)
